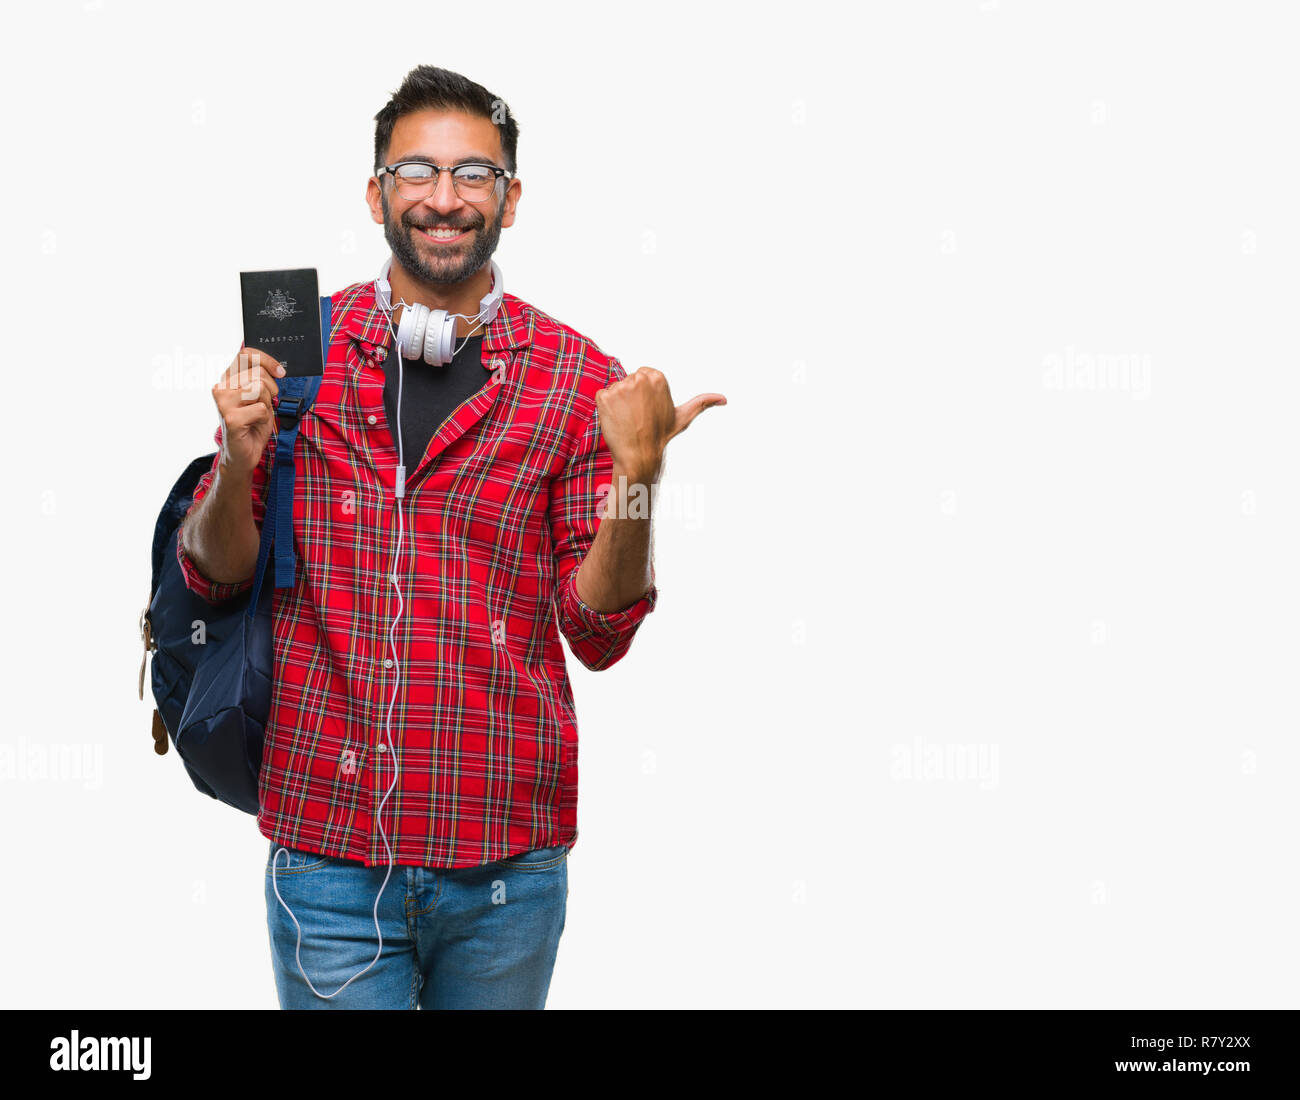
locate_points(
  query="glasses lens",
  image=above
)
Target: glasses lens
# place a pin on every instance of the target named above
(474, 182)
(414, 181)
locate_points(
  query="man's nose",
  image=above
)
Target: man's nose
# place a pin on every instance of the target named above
(443, 197)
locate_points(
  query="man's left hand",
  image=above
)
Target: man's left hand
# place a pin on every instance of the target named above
(638, 418)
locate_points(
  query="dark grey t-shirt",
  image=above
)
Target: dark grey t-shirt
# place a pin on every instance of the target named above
(430, 394)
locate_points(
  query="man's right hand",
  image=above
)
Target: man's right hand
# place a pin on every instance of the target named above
(244, 397)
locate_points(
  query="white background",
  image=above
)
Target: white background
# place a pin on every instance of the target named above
(877, 228)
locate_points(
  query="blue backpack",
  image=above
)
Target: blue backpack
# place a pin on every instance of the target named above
(213, 663)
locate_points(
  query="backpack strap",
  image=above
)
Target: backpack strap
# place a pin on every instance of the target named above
(295, 398)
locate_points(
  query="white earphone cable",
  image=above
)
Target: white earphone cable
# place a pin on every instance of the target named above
(399, 494)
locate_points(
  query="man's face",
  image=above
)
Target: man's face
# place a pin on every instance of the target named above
(447, 138)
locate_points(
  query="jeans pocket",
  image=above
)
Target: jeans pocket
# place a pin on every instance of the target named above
(539, 859)
(293, 861)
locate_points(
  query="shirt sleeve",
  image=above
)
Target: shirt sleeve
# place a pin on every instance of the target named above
(597, 638)
(210, 590)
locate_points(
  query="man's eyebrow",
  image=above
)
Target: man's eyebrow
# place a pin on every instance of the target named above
(473, 158)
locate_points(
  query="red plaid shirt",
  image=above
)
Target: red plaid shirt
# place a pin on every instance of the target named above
(498, 515)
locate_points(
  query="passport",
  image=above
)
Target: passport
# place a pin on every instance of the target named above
(282, 318)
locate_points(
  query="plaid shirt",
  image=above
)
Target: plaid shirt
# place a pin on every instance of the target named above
(498, 515)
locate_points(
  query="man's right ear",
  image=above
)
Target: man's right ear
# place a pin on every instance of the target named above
(374, 199)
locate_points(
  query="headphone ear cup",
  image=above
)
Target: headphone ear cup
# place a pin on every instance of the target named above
(439, 338)
(410, 332)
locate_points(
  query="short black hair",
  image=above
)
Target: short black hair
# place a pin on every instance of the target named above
(428, 87)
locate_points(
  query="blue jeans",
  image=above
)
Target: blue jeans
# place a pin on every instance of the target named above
(474, 937)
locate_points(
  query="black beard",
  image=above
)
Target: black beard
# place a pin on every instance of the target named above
(459, 266)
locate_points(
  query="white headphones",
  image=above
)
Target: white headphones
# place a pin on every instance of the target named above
(431, 334)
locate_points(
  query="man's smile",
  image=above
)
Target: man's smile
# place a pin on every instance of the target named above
(443, 234)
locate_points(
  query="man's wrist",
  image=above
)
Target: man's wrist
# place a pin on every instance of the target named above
(631, 495)
(233, 476)
(635, 475)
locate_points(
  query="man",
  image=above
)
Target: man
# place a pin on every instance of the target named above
(421, 707)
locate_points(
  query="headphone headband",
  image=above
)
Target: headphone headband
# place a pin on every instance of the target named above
(489, 304)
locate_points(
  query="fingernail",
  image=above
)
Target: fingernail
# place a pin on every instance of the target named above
(280, 371)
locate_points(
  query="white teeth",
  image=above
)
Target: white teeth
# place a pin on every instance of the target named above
(443, 232)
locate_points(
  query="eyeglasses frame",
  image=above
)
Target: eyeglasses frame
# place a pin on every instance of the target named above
(438, 169)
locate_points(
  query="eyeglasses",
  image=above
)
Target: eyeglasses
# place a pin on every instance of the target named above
(416, 179)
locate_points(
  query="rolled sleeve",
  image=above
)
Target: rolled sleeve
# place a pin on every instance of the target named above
(597, 638)
(604, 635)
(218, 591)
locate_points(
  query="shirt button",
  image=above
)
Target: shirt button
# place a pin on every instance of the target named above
(388, 662)
(383, 747)
(372, 419)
